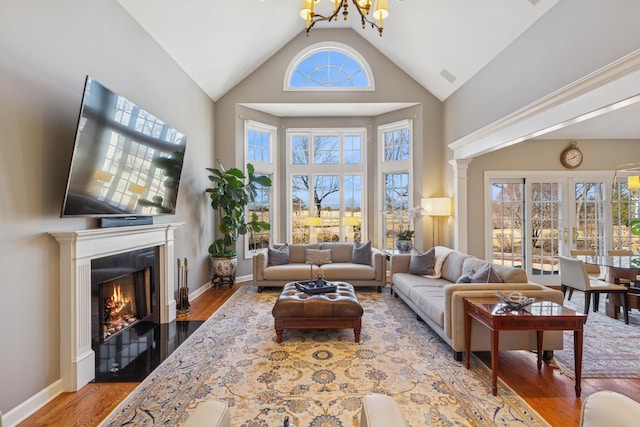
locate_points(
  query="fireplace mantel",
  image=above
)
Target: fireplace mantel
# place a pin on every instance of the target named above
(77, 249)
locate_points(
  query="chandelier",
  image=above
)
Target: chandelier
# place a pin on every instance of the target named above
(380, 12)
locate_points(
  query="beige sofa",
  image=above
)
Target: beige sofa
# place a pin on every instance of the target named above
(341, 267)
(439, 300)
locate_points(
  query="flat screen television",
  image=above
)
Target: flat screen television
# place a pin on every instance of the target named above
(125, 163)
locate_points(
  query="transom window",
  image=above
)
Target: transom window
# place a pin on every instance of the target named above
(328, 66)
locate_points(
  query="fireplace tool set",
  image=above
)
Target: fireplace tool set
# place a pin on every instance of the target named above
(183, 306)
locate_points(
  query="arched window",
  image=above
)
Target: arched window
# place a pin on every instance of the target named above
(328, 66)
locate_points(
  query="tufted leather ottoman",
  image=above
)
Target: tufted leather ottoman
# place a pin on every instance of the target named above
(295, 309)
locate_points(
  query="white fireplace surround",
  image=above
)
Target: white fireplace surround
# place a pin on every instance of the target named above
(77, 249)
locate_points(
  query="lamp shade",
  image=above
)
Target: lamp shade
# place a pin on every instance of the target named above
(381, 10)
(313, 221)
(352, 221)
(633, 181)
(437, 206)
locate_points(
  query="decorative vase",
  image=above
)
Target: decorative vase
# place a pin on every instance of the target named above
(224, 267)
(404, 246)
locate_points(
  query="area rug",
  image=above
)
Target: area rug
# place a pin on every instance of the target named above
(318, 377)
(610, 348)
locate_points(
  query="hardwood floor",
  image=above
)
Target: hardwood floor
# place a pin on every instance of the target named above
(548, 392)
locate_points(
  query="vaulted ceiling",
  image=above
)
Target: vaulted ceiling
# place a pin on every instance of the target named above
(440, 43)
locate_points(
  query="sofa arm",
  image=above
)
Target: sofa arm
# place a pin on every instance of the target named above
(399, 263)
(260, 262)
(379, 262)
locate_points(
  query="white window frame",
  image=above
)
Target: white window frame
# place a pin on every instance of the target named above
(394, 166)
(266, 168)
(340, 169)
(340, 47)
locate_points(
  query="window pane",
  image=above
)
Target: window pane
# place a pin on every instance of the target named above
(260, 207)
(353, 207)
(300, 150)
(589, 214)
(396, 145)
(396, 203)
(300, 208)
(353, 149)
(326, 196)
(326, 150)
(258, 146)
(507, 226)
(329, 68)
(624, 208)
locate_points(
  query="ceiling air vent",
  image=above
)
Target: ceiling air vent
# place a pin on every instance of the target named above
(447, 75)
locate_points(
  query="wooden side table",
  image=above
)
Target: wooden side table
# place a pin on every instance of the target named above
(540, 316)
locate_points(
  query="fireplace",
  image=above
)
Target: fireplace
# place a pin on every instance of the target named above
(81, 250)
(123, 293)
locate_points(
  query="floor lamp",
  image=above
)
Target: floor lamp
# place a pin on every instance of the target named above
(436, 207)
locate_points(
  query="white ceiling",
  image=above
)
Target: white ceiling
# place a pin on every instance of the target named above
(218, 43)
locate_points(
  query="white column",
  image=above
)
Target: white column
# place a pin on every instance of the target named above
(460, 200)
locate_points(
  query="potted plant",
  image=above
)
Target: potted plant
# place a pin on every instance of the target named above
(230, 194)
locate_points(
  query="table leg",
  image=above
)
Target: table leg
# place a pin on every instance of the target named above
(539, 335)
(467, 339)
(577, 351)
(494, 361)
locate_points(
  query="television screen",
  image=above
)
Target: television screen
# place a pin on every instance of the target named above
(125, 162)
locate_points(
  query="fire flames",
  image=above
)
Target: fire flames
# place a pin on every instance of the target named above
(118, 311)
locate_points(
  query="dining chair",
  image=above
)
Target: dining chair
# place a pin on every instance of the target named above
(593, 270)
(573, 275)
(621, 252)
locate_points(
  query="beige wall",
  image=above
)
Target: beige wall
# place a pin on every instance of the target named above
(46, 49)
(392, 85)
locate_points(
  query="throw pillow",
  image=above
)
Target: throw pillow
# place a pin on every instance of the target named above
(482, 275)
(318, 256)
(361, 253)
(278, 256)
(465, 278)
(422, 263)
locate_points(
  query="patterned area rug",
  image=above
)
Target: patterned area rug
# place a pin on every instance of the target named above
(610, 347)
(318, 377)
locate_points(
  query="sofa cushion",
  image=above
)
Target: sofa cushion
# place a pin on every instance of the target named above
(509, 274)
(452, 267)
(290, 272)
(361, 253)
(431, 302)
(318, 256)
(278, 256)
(343, 271)
(298, 252)
(422, 263)
(479, 271)
(340, 252)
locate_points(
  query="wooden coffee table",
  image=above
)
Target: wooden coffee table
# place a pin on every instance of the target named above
(540, 316)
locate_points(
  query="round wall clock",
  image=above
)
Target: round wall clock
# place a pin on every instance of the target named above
(571, 157)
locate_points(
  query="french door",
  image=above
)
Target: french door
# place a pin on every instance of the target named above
(536, 218)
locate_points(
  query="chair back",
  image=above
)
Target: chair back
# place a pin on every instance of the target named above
(616, 252)
(592, 269)
(573, 273)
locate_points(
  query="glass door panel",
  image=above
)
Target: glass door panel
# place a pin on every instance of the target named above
(545, 204)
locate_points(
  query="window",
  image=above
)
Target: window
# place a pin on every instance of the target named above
(328, 66)
(326, 185)
(260, 146)
(396, 180)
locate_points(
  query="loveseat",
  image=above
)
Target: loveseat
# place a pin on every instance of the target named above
(359, 265)
(439, 301)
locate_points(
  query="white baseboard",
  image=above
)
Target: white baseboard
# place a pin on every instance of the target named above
(31, 405)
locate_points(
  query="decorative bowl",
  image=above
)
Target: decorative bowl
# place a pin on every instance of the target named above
(515, 300)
